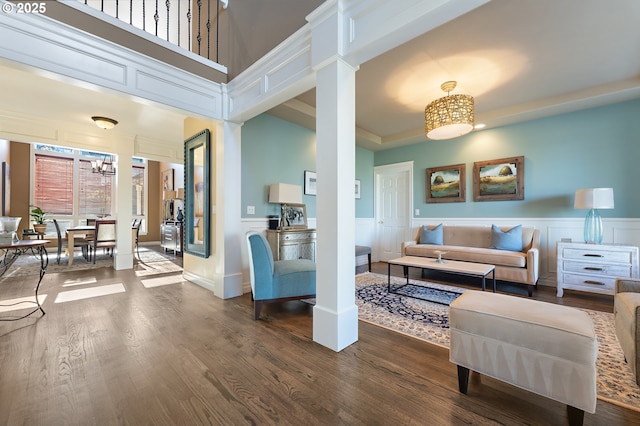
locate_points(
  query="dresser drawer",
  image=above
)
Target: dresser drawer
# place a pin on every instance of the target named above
(597, 269)
(597, 255)
(589, 282)
(299, 236)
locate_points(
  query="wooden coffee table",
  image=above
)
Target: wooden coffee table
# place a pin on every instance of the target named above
(480, 270)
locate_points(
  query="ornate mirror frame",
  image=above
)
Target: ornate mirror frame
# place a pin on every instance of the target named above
(197, 194)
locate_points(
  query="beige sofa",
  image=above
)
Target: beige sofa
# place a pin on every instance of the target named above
(471, 244)
(626, 313)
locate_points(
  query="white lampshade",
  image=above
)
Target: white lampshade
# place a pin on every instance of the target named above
(180, 195)
(168, 195)
(284, 193)
(594, 198)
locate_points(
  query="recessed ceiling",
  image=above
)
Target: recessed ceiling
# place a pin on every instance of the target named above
(519, 59)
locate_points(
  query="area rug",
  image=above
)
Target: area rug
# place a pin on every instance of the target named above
(430, 322)
(29, 265)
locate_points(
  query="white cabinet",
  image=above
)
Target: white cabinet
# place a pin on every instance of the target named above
(594, 267)
(287, 244)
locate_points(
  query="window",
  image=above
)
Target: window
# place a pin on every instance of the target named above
(66, 187)
(53, 191)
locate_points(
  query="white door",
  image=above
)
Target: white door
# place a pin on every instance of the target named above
(394, 203)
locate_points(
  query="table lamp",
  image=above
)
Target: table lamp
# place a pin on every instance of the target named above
(593, 199)
(284, 194)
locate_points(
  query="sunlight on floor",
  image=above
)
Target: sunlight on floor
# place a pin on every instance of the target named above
(156, 282)
(79, 281)
(21, 303)
(86, 293)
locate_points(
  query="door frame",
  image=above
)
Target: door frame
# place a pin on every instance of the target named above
(406, 166)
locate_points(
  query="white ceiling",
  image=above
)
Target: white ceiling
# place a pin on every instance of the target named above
(520, 59)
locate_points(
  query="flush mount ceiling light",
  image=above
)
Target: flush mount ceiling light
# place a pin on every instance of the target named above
(449, 117)
(104, 122)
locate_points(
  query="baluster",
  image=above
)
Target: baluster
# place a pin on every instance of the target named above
(156, 18)
(208, 29)
(199, 24)
(144, 15)
(179, 19)
(217, 29)
(189, 23)
(130, 12)
(102, 6)
(117, 10)
(168, 3)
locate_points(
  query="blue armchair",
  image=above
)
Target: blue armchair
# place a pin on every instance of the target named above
(280, 280)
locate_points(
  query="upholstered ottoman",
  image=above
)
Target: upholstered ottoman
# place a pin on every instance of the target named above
(544, 348)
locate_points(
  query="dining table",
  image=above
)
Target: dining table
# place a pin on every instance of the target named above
(88, 231)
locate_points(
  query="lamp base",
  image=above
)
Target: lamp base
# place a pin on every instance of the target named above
(593, 227)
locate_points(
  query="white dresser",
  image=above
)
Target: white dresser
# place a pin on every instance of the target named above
(594, 267)
(287, 244)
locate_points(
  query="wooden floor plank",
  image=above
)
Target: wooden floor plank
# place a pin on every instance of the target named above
(176, 354)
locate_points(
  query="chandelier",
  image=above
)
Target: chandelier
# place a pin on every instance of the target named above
(450, 116)
(106, 166)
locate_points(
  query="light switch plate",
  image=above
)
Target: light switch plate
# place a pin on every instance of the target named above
(251, 209)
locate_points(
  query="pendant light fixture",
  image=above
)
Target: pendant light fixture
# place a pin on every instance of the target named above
(450, 116)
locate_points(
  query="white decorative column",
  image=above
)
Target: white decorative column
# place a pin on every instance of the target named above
(227, 213)
(335, 315)
(123, 258)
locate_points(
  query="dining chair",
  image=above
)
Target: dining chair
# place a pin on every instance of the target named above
(136, 225)
(77, 242)
(105, 237)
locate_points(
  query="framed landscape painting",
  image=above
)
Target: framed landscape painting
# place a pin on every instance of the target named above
(446, 184)
(501, 179)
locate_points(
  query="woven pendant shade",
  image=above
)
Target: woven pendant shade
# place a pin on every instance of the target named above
(450, 116)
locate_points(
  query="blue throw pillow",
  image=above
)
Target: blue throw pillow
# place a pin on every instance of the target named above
(509, 240)
(431, 236)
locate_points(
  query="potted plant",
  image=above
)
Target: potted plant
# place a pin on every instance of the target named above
(39, 217)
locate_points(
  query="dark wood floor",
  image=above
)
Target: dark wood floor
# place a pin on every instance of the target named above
(178, 355)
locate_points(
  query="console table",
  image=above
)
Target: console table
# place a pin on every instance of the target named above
(594, 267)
(288, 244)
(10, 252)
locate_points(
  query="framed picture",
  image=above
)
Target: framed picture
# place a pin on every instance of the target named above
(167, 180)
(446, 184)
(309, 183)
(357, 188)
(501, 179)
(295, 215)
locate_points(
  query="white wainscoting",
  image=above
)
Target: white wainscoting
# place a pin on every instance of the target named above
(552, 230)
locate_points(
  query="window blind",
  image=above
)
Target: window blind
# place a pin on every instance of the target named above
(53, 191)
(94, 196)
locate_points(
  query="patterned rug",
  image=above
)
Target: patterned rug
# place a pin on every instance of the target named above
(430, 321)
(151, 262)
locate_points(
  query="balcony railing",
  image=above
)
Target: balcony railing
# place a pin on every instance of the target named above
(191, 24)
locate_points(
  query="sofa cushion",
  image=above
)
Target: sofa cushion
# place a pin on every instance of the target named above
(431, 236)
(506, 240)
(470, 254)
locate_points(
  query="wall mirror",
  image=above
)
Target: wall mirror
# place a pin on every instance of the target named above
(196, 197)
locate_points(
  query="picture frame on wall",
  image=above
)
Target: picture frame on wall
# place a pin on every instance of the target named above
(446, 184)
(168, 180)
(497, 180)
(295, 216)
(310, 183)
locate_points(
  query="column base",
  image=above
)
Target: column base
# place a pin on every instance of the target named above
(335, 330)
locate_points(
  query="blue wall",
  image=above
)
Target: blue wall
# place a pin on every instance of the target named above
(274, 150)
(598, 147)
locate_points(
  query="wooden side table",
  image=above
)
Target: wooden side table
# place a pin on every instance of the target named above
(594, 267)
